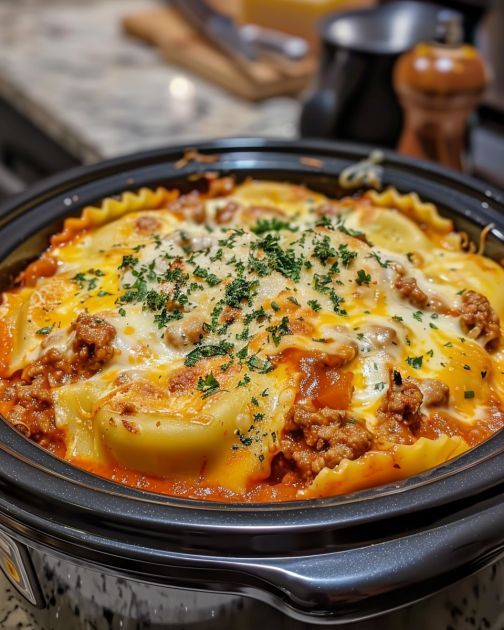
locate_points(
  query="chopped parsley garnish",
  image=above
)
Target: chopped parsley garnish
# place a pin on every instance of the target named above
(240, 290)
(415, 362)
(211, 279)
(82, 279)
(128, 262)
(346, 255)
(271, 225)
(336, 302)
(208, 385)
(282, 329)
(258, 365)
(244, 439)
(324, 221)
(314, 305)
(245, 381)
(242, 354)
(44, 331)
(363, 277)
(382, 263)
(323, 249)
(352, 232)
(204, 352)
(418, 315)
(469, 393)
(284, 261)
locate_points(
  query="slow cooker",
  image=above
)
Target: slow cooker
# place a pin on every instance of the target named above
(81, 551)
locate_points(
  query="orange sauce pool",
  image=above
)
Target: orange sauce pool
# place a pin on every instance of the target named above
(189, 488)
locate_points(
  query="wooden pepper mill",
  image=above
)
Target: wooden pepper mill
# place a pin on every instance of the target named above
(439, 85)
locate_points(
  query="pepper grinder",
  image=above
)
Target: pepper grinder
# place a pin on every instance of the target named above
(439, 84)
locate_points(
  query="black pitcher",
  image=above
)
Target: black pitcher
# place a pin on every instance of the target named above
(353, 98)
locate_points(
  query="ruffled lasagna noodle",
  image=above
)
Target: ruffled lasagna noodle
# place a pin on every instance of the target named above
(258, 342)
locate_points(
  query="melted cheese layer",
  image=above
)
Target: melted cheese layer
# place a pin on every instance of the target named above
(205, 314)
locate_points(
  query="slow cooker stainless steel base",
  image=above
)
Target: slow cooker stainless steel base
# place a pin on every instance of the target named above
(83, 599)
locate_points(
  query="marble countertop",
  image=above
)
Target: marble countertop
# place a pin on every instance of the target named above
(67, 66)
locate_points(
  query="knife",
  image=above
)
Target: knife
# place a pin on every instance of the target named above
(243, 43)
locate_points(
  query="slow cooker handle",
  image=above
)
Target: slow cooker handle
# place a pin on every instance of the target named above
(387, 574)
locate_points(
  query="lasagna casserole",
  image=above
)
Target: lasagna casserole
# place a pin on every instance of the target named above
(255, 342)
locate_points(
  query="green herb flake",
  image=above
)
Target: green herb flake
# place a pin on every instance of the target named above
(44, 331)
(208, 385)
(271, 225)
(415, 362)
(204, 352)
(314, 305)
(279, 331)
(363, 277)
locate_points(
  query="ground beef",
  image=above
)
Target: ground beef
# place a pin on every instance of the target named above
(435, 393)
(230, 314)
(380, 336)
(147, 225)
(189, 207)
(92, 345)
(183, 380)
(221, 187)
(225, 213)
(402, 402)
(185, 332)
(33, 410)
(409, 290)
(317, 438)
(478, 318)
(53, 364)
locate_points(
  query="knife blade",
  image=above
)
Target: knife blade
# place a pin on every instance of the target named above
(219, 28)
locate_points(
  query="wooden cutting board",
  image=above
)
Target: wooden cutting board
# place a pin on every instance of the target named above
(181, 44)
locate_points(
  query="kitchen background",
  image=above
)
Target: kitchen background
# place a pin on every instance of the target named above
(80, 83)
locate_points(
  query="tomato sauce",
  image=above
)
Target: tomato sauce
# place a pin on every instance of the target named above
(325, 385)
(44, 267)
(196, 488)
(442, 423)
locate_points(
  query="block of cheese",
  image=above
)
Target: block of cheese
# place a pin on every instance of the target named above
(298, 17)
